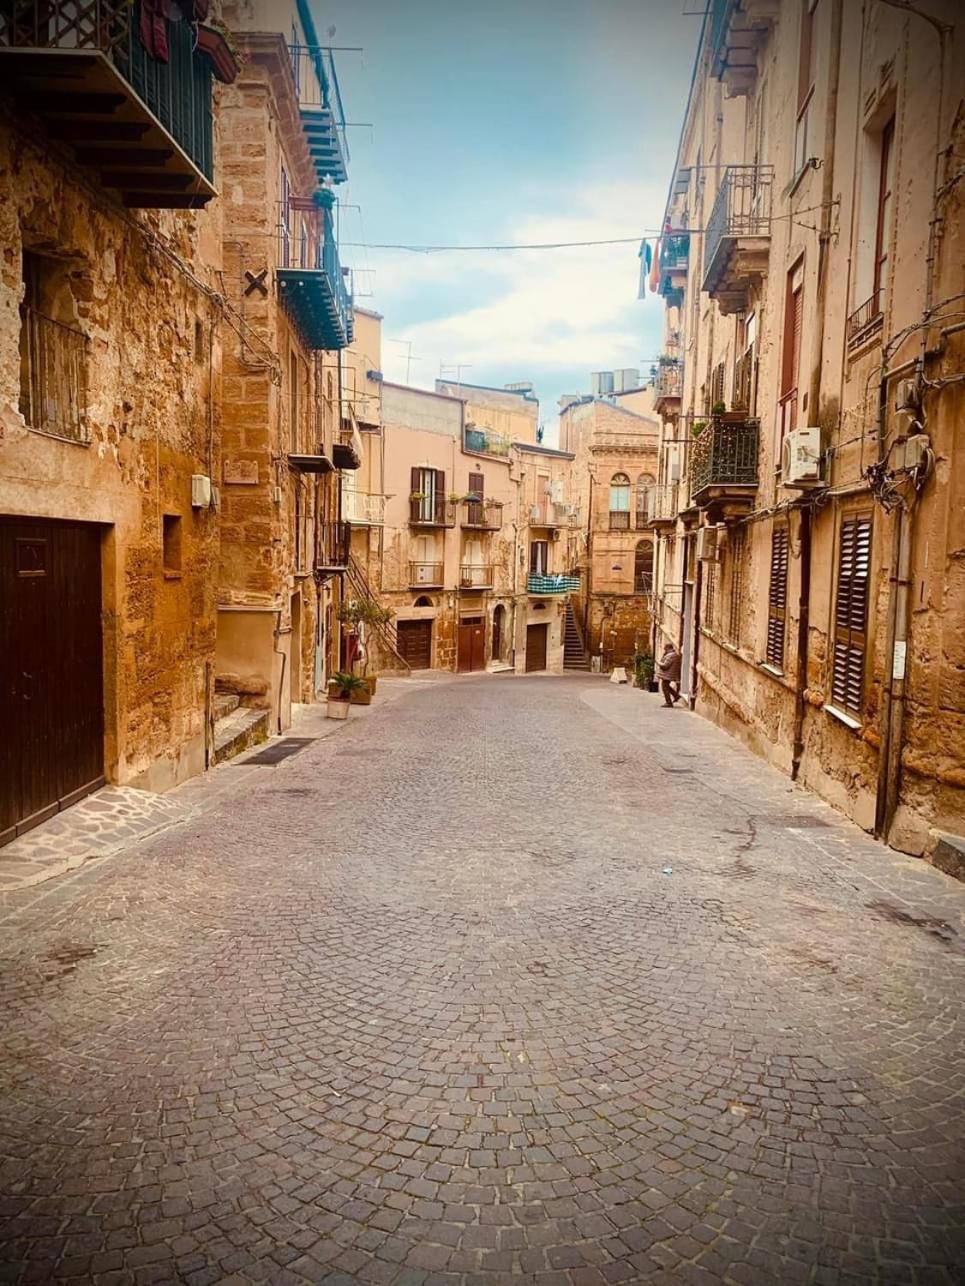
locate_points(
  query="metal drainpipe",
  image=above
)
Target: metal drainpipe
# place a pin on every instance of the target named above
(801, 677)
(695, 646)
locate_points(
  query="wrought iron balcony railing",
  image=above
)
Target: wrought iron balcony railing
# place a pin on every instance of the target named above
(311, 280)
(722, 456)
(431, 510)
(334, 540)
(549, 513)
(544, 583)
(142, 117)
(665, 504)
(53, 377)
(865, 320)
(483, 441)
(735, 247)
(475, 576)
(321, 110)
(486, 515)
(425, 574)
(669, 381)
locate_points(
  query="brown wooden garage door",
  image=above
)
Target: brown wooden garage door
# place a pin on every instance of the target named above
(536, 647)
(51, 663)
(414, 641)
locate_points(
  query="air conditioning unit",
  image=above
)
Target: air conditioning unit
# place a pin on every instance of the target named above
(801, 458)
(708, 544)
(200, 491)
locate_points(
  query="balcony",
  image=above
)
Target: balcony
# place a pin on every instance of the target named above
(481, 515)
(426, 575)
(311, 281)
(543, 583)
(333, 547)
(143, 123)
(321, 111)
(738, 31)
(668, 385)
(53, 377)
(664, 505)
(865, 322)
(478, 440)
(363, 509)
(551, 514)
(475, 576)
(673, 265)
(738, 236)
(723, 467)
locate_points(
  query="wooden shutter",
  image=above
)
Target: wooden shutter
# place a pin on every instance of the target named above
(793, 322)
(777, 598)
(851, 612)
(441, 502)
(477, 485)
(735, 555)
(415, 486)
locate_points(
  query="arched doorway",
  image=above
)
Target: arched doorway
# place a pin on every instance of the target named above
(643, 567)
(499, 621)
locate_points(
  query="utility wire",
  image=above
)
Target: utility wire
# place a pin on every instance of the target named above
(568, 245)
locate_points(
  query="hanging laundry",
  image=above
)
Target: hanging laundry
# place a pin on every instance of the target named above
(645, 255)
(152, 29)
(655, 269)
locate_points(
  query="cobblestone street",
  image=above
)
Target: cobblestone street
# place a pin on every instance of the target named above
(514, 979)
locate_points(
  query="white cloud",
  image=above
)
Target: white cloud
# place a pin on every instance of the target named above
(559, 312)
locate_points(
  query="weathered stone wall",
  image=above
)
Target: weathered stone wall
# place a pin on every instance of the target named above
(135, 284)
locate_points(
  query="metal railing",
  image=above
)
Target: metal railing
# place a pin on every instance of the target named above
(484, 514)
(177, 91)
(674, 251)
(665, 502)
(306, 240)
(742, 207)
(358, 583)
(724, 454)
(425, 574)
(669, 381)
(333, 540)
(864, 319)
(546, 583)
(719, 29)
(53, 377)
(484, 441)
(549, 513)
(475, 576)
(363, 508)
(619, 520)
(431, 510)
(317, 82)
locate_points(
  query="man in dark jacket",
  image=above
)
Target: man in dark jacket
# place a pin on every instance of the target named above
(668, 673)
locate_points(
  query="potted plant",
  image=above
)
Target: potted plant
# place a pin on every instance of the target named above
(643, 670)
(698, 428)
(340, 689)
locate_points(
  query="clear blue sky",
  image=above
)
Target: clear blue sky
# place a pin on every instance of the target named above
(510, 121)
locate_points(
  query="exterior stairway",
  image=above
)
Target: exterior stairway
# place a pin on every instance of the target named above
(357, 586)
(575, 656)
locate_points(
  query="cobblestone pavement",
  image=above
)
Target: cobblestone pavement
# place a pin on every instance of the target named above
(515, 980)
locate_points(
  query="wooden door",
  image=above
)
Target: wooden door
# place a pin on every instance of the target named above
(471, 650)
(51, 669)
(498, 632)
(536, 647)
(414, 641)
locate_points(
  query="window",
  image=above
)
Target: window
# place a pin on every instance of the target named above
(743, 399)
(805, 87)
(851, 613)
(886, 182)
(53, 352)
(791, 352)
(427, 502)
(171, 543)
(717, 386)
(643, 567)
(539, 557)
(735, 550)
(645, 484)
(619, 502)
(777, 598)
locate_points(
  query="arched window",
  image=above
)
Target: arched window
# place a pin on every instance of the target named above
(619, 502)
(644, 497)
(643, 567)
(423, 601)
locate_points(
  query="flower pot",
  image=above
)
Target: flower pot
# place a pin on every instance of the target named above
(337, 708)
(361, 697)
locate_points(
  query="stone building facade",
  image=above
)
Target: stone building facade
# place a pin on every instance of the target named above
(287, 433)
(808, 512)
(613, 476)
(111, 341)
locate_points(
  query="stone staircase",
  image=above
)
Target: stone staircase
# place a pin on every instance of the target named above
(575, 655)
(236, 727)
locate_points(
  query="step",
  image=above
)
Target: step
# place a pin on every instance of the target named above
(225, 703)
(238, 731)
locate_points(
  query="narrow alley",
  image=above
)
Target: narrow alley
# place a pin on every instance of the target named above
(519, 979)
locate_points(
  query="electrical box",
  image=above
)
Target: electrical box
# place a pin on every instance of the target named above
(915, 452)
(906, 396)
(200, 491)
(801, 458)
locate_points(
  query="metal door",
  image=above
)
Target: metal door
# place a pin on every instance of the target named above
(51, 669)
(414, 641)
(536, 647)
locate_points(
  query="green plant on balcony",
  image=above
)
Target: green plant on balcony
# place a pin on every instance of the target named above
(417, 495)
(698, 428)
(719, 408)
